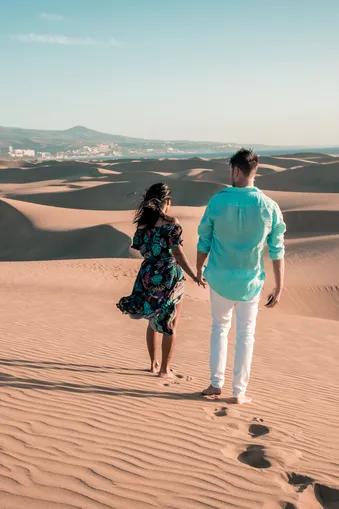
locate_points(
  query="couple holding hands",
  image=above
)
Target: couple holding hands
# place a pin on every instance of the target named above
(238, 223)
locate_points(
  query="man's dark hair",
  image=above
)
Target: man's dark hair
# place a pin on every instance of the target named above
(246, 160)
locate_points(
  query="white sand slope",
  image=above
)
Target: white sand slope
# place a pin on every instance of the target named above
(83, 425)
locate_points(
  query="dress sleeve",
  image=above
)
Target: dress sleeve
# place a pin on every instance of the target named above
(137, 240)
(174, 236)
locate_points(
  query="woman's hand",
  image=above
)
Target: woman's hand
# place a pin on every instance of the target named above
(200, 280)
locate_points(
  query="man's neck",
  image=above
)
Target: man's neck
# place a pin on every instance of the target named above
(246, 183)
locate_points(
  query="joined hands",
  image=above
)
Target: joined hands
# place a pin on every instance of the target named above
(200, 280)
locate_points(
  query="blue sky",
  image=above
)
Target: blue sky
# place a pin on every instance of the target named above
(247, 71)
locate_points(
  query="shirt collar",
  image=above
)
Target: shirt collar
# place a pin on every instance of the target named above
(241, 189)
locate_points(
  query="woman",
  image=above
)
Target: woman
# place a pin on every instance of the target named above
(159, 287)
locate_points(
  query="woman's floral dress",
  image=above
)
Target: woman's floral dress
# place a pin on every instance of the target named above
(160, 282)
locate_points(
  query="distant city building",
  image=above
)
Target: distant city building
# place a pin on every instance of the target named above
(114, 150)
(20, 152)
(103, 147)
(29, 153)
(44, 155)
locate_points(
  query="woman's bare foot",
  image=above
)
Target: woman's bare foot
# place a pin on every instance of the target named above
(211, 391)
(166, 374)
(240, 400)
(155, 367)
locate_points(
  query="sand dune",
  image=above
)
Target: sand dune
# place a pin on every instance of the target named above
(126, 195)
(50, 186)
(309, 179)
(168, 165)
(266, 169)
(315, 222)
(21, 241)
(105, 171)
(198, 171)
(302, 201)
(49, 171)
(277, 161)
(308, 157)
(83, 426)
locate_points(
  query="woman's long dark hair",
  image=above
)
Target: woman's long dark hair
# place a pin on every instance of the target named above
(150, 209)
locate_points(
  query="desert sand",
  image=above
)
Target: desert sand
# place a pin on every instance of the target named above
(83, 425)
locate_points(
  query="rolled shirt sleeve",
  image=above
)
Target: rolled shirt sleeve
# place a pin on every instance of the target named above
(205, 232)
(275, 240)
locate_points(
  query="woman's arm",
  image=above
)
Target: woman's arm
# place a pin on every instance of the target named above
(181, 259)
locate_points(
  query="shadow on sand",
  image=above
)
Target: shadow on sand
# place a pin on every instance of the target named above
(43, 385)
(7, 380)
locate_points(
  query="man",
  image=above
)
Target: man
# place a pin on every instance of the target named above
(236, 226)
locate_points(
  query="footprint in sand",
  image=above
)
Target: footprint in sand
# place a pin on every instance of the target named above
(254, 457)
(299, 480)
(221, 412)
(258, 430)
(212, 413)
(327, 497)
(224, 411)
(187, 378)
(176, 379)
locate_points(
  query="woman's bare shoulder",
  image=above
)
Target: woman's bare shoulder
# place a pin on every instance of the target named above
(172, 220)
(167, 221)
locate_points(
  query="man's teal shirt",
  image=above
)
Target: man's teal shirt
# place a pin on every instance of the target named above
(237, 224)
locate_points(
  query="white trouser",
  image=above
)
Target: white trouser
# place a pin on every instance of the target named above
(246, 315)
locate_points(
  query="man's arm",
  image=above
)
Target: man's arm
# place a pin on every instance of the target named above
(205, 232)
(201, 259)
(276, 249)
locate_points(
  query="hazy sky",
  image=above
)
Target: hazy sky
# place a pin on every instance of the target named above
(247, 71)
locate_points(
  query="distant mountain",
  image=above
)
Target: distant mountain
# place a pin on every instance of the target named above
(40, 139)
(78, 136)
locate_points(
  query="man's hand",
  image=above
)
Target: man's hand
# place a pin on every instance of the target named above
(273, 298)
(279, 272)
(201, 259)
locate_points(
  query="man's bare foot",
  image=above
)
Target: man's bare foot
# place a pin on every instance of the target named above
(211, 391)
(240, 400)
